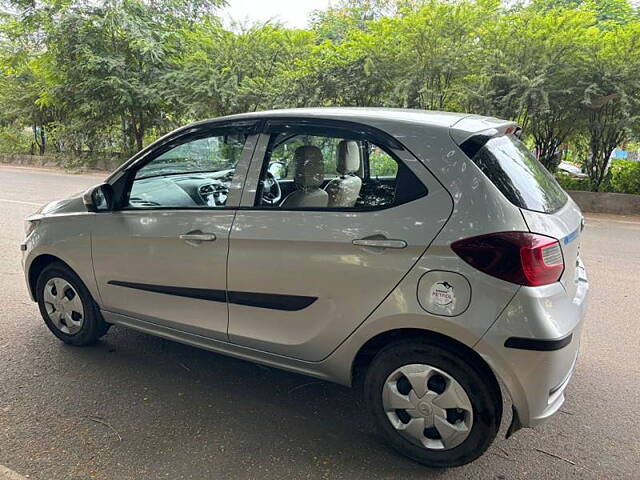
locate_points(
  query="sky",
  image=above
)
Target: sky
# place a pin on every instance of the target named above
(294, 13)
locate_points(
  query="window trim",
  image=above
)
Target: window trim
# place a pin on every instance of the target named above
(353, 129)
(338, 129)
(182, 136)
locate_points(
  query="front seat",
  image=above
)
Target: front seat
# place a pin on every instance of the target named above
(344, 190)
(308, 175)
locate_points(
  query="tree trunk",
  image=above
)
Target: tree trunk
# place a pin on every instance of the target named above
(138, 130)
(413, 95)
(547, 153)
(123, 132)
(139, 137)
(43, 141)
(38, 136)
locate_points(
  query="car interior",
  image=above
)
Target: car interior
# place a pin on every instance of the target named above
(299, 171)
(194, 174)
(327, 172)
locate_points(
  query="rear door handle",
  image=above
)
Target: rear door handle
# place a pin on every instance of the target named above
(198, 237)
(380, 243)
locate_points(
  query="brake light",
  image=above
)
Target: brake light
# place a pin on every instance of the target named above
(519, 257)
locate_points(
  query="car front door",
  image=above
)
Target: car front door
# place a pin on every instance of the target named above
(302, 275)
(161, 256)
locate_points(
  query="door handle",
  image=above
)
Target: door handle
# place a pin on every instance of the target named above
(379, 243)
(198, 237)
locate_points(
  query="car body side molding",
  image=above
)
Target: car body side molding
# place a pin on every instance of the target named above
(273, 301)
(538, 344)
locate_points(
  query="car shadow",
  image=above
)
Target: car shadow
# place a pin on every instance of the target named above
(172, 404)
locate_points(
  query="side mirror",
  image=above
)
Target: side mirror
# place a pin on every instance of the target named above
(99, 198)
(278, 170)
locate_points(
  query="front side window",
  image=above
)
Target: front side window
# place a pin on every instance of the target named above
(303, 171)
(194, 174)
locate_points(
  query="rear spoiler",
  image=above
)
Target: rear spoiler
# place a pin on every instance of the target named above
(473, 132)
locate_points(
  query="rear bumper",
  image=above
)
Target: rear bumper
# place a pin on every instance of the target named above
(534, 344)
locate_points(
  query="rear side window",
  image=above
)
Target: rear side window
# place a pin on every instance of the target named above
(519, 175)
(371, 179)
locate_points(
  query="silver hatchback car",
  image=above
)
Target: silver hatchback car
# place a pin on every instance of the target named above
(426, 256)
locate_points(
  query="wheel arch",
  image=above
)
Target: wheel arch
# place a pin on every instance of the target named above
(375, 344)
(36, 267)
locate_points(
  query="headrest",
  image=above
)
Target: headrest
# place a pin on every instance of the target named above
(348, 160)
(308, 166)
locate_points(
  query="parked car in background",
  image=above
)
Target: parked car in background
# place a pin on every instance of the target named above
(572, 170)
(427, 256)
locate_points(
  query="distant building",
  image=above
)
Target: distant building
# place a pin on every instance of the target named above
(622, 153)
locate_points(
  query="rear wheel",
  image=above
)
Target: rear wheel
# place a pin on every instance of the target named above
(67, 306)
(432, 404)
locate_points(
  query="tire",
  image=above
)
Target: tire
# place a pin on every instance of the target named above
(446, 368)
(82, 324)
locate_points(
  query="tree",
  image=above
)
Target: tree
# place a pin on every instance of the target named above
(434, 48)
(110, 62)
(224, 72)
(611, 87)
(26, 77)
(608, 12)
(531, 78)
(106, 62)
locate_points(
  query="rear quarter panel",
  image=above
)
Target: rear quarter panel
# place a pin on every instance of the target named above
(479, 208)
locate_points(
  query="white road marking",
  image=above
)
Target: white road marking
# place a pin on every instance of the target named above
(53, 171)
(601, 222)
(610, 220)
(7, 474)
(21, 202)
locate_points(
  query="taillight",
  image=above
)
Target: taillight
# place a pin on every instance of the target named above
(519, 257)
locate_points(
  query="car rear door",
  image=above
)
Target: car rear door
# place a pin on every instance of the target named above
(300, 280)
(162, 256)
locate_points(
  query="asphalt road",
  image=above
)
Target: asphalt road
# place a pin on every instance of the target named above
(134, 406)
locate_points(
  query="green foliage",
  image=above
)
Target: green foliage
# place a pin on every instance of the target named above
(14, 139)
(625, 177)
(381, 164)
(571, 183)
(109, 76)
(609, 13)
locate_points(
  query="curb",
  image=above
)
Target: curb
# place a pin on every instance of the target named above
(58, 161)
(605, 202)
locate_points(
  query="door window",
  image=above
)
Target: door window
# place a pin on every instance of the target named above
(316, 171)
(284, 147)
(194, 174)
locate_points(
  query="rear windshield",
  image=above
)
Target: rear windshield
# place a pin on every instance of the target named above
(519, 176)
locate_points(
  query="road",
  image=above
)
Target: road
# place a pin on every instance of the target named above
(134, 406)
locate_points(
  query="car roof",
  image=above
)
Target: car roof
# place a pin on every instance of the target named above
(461, 125)
(356, 114)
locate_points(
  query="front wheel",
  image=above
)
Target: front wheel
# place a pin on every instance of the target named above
(67, 306)
(432, 404)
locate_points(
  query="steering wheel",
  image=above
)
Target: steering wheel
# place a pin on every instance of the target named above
(271, 192)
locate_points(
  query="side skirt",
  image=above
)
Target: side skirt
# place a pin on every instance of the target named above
(277, 361)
